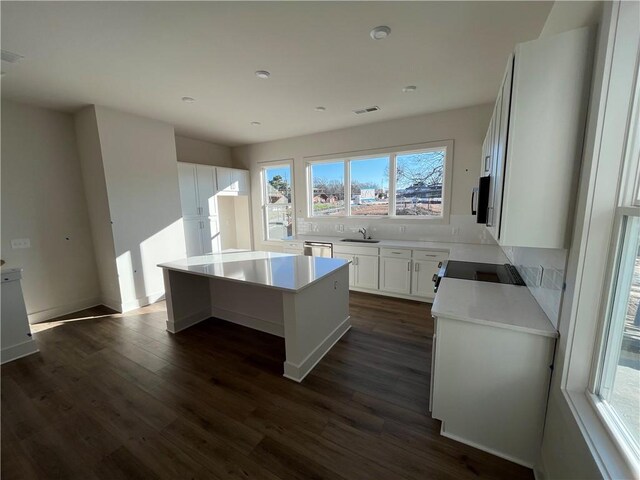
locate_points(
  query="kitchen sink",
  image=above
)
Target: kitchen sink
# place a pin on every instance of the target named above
(359, 240)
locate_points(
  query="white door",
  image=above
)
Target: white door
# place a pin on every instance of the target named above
(366, 272)
(395, 275)
(188, 189)
(205, 175)
(352, 267)
(422, 278)
(193, 236)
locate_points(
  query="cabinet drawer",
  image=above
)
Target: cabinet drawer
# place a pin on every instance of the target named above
(395, 252)
(353, 250)
(429, 255)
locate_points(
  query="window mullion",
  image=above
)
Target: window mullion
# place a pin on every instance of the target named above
(347, 188)
(392, 185)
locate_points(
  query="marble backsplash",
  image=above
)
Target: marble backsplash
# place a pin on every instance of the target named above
(543, 270)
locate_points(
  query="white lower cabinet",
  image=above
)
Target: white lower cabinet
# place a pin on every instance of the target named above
(363, 270)
(366, 271)
(202, 236)
(506, 372)
(350, 258)
(397, 272)
(395, 275)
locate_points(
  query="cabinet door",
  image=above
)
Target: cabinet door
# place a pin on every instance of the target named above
(226, 180)
(366, 272)
(422, 278)
(395, 275)
(210, 233)
(351, 258)
(501, 154)
(193, 236)
(188, 189)
(206, 190)
(240, 178)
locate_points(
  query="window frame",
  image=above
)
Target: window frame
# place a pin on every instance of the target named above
(591, 260)
(264, 204)
(392, 153)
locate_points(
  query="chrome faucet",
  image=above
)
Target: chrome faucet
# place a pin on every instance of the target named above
(363, 231)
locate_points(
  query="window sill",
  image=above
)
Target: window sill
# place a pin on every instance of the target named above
(407, 219)
(611, 461)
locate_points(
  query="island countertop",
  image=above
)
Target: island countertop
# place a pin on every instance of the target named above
(279, 271)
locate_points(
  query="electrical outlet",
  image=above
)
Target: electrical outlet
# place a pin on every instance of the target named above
(403, 229)
(540, 273)
(21, 243)
(340, 228)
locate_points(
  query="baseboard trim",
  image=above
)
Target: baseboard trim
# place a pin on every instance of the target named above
(20, 350)
(479, 446)
(298, 372)
(248, 321)
(175, 327)
(141, 302)
(48, 314)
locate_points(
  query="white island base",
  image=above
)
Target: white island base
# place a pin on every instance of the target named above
(305, 300)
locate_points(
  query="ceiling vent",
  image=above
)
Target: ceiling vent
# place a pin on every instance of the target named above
(10, 57)
(366, 110)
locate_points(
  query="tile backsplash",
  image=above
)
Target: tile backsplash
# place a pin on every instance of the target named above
(543, 270)
(461, 229)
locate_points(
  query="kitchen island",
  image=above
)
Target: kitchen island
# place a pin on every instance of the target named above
(303, 299)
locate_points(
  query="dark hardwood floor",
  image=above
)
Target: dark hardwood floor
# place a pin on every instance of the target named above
(115, 396)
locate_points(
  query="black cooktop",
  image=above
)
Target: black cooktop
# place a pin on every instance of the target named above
(483, 272)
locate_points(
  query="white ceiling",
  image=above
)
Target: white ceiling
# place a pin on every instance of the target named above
(142, 57)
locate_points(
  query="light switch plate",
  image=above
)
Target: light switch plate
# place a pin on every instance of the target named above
(21, 243)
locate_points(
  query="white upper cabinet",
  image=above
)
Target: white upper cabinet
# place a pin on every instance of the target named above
(188, 190)
(536, 140)
(233, 181)
(206, 180)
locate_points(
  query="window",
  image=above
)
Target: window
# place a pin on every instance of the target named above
(370, 186)
(327, 194)
(619, 383)
(419, 178)
(407, 184)
(277, 203)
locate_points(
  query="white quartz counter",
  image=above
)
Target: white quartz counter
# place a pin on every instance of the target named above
(272, 270)
(494, 304)
(499, 305)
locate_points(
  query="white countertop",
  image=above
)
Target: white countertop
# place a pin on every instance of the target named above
(493, 304)
(272, 270)
(499, 305)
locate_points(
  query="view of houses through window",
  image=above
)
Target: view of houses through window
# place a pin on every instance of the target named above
(278, 201)
(415, 188)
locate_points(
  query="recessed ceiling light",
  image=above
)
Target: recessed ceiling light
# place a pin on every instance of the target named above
(320, 109)
(263, 74)
(256, 124)
(380, 32)
(410, 88)
(188, 99)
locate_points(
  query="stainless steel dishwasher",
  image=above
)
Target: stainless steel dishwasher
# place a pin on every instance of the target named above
(318, 249)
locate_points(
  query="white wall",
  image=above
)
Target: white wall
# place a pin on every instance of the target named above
(43, 199)
(197, 151)
(137, 158)
(466, 127)
(95, 187)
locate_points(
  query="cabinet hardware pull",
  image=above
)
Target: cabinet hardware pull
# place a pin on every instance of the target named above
(416, 267)
(409, 266)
